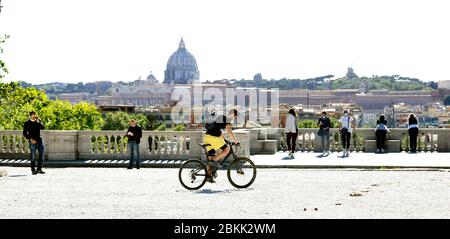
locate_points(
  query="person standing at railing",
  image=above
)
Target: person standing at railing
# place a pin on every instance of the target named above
(381, 131)
(324, 132)
(347, 123)
(134, 134)
(413, 131)
(291, 131)
(32, 131)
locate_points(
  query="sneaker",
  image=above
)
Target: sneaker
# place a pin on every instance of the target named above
(40, 171)
(382, 151)
(378, 150)
(129, 168)
(210, 179)
(33, 172)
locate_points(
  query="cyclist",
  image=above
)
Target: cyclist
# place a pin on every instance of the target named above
(215, 138)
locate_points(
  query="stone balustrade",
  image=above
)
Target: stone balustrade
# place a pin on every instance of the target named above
(429, 140)
(112, 145)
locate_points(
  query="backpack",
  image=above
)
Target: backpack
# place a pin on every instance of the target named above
(209, 119)
(345, 130)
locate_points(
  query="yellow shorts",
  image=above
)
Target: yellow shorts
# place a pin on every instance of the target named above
(215, 142)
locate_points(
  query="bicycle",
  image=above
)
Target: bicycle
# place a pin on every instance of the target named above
(241, 171)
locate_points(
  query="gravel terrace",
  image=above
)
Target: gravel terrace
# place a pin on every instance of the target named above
(276, 193)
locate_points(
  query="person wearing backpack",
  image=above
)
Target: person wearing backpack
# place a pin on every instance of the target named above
(347, 123)
(381, 131)
(291, 131)
(215, 138)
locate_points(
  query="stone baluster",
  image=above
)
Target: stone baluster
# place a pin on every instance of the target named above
(431, 142)
(188, 144)
(116, 145)
(177, 145)
(182, 144)
(1, 143)
(15, 143)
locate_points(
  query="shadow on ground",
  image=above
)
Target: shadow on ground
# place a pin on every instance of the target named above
(16, 176)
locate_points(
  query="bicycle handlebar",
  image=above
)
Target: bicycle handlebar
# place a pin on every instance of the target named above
(232, 143)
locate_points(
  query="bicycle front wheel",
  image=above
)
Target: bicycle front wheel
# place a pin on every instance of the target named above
(241, 172)
(192, 174)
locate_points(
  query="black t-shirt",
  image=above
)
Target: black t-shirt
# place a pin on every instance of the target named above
(219, 124)
(325, 122)
(137, 134)
(382, 122)
(32, 130)
(412, 121)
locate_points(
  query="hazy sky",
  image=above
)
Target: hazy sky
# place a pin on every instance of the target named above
(89, 40)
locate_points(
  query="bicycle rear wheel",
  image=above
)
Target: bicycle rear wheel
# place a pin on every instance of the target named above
(241, 172)
(192, 174)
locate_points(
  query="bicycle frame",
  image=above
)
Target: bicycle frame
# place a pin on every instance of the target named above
(220, 162)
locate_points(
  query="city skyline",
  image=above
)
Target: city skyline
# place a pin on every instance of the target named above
(85, 41)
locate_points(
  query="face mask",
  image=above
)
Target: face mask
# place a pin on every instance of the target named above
(345, 114)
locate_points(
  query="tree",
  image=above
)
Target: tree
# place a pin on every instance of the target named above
(61, 115)
(307, 124)
(16, 102)
(161, 128)
(152, 122)
(116, 121)
(179, 127)
(3, 68)
(120, 121)
(334, 122)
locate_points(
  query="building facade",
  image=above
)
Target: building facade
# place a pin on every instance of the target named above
(142, 93)
(444, 84)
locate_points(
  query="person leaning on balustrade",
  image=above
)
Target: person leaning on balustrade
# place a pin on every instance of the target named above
(413, 131)
(381, 131)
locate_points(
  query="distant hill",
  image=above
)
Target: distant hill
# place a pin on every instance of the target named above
(325, 82)
(392, 83)
(56, 88)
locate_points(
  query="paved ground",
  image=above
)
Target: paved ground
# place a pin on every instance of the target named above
(357, 160)
(276, 193)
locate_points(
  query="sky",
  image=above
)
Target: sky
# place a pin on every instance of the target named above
(93, 40)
